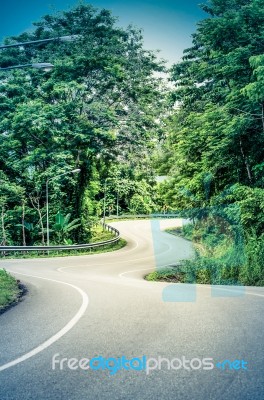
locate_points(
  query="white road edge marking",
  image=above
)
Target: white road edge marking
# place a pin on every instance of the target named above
(58, 335)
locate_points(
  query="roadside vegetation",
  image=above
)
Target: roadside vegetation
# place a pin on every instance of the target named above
(221, 257)
(9, 290)
(213, 150)
(97, 111)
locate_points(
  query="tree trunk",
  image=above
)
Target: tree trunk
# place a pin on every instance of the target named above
(23, 222)
(246, 162)
(35, 203)
(262, 115)
(3, 226)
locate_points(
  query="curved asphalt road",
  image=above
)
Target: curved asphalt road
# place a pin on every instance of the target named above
(88, 306)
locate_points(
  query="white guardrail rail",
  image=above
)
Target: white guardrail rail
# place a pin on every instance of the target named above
(145, 216)
(6, 249)
(66, 247)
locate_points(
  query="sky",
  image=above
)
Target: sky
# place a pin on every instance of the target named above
(167, 24)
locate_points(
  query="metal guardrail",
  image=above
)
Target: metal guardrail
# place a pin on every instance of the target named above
(66, 247)
(147, 216)
(89, 245)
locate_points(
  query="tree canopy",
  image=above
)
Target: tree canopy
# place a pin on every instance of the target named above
(213, 151)
(97, 108)
(217, 133)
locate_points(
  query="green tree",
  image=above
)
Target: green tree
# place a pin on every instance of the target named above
(218, 129)
(214, 146)
(101, 99)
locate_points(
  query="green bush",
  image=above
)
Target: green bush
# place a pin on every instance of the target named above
(9, 290)
(252, 273)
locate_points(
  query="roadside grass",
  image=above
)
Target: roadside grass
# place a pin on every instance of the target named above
(9, 290)
(167, 275)
(98, 235)
(186, 231)
(217, 261)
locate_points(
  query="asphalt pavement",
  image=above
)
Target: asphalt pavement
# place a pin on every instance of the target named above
(188, 342)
